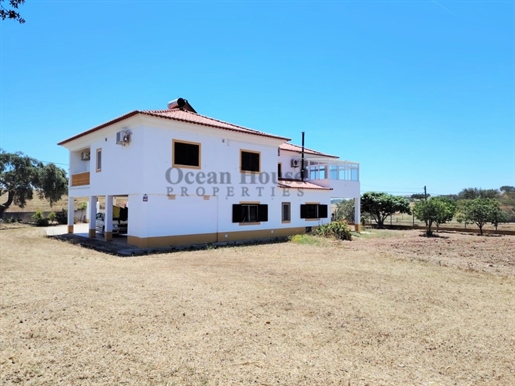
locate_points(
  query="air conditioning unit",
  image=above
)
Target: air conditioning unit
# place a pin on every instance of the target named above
(85, 156)
(123, 137)
(295, 162)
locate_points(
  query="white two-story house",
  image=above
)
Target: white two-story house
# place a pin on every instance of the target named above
(191, 179)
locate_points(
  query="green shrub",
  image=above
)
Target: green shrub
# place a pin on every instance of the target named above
(10, 220)
(62, 217)
(337, 229)
(40, 219)
(51, 217)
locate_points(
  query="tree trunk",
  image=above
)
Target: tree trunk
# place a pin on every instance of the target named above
(7, 204)
(429, 232)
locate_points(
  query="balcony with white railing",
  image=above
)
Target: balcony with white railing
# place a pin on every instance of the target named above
(341, 176)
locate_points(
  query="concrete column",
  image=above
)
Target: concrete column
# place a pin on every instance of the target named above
(357, 213)
(92, 214)
(71, 214)
(108, 232)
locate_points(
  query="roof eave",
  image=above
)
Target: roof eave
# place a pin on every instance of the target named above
(123, 117)
(135, 112)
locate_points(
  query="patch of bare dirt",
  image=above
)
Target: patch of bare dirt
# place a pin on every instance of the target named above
(380, 310)
(491, 253)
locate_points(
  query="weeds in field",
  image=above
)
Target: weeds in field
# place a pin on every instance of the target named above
(337, 229)
(377, 234)
(305, 239)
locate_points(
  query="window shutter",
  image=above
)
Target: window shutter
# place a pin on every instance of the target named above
(186, 154)
(322, 211)
(286, 212)
(245, 161)
(303, 211)
(262, 212)
(254, 160)
(249, 161)
(236, 213)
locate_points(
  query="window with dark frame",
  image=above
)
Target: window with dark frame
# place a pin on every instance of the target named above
(279, 170)
(186, 154)
(249, 213)
(313, 211)
(249, 161)
(99, 160)
(286, 212)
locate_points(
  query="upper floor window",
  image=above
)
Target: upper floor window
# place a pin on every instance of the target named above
(279, 170)
(99, 160)
(249, 213)
(250, 161)
(313, 211)
(186, 154)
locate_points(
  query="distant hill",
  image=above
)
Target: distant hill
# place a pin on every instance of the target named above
(38, 204)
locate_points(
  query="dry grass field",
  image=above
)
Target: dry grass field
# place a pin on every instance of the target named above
(389, 308)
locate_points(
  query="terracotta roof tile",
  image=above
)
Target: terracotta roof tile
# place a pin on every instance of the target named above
(300, 185)
(190, 117)
(181, 116)
(298, 149)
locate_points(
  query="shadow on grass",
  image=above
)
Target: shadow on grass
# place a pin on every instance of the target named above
(433, 235)
(121, 250)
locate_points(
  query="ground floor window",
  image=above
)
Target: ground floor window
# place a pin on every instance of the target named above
(313, 211)
(286, 212)
(249, 213)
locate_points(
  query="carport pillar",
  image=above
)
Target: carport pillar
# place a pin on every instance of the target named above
(357, 213)
(108, 221)
(71, 214)
(92, 214)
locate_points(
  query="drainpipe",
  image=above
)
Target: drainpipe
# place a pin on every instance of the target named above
(302, 160)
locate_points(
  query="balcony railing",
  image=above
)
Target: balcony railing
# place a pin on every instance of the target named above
(333, 170)
(80, 179)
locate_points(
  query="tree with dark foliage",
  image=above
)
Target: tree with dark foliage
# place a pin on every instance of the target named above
(11, 13)
(21, 176)
(381, 205)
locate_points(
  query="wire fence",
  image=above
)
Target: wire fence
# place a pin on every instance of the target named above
(405, 220)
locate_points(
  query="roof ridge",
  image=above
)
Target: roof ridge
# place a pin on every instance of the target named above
(158, 113)
(211, 122)
(227, 123)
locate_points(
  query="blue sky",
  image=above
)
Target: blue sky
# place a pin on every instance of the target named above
(419, 92)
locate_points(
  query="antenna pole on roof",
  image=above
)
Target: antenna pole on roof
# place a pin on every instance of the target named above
(302, 159)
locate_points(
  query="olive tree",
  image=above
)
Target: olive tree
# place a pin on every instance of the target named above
(21, 176)
(345, 211)
(381, 205)
(481, 211)
(437, 210)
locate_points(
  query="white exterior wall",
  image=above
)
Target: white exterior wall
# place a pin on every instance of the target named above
(341, 188)
(175, 208)
(189, 213)
(285, 159)
(122, 166)
(161, 216)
